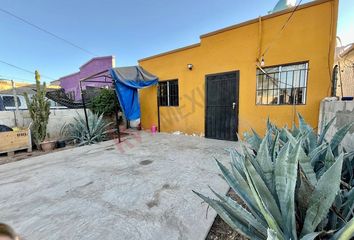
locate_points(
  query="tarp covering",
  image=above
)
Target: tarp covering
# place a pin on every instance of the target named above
(127, 82)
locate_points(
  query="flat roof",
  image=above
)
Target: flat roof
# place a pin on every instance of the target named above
(255, 20)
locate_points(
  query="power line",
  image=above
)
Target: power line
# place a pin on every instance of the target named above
(25, 70)
(282, 28)
(48, 32)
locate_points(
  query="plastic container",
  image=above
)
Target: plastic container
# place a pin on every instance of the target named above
(153, 128)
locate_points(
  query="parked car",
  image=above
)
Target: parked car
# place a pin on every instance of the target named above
(7, 103)
(2, 107)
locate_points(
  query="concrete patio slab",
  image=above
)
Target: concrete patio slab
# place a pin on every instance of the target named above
(139, 189)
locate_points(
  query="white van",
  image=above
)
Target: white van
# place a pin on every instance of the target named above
(7, 103)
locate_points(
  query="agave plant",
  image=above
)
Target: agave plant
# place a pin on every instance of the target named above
(291, 183)
(78, 129)
(322, 152)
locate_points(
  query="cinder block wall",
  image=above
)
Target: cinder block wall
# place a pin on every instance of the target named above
(344, 113)
(7, 118)
(57, 119)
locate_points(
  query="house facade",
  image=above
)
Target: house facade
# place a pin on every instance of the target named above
(71, 83)
(344, 62)
(236, 77)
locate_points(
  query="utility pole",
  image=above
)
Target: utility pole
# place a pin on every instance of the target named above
(16, 113)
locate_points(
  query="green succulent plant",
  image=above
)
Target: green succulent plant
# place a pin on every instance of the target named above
(78, 131)
(293, 183)
(39, 109)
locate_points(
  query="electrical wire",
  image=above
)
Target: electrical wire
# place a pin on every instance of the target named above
(282, 28)
(48, 32)
(24, 69)
(329, 50)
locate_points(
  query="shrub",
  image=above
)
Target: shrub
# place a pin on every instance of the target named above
(78, 129)
(39, 109)
(293, 184)
(105, 102)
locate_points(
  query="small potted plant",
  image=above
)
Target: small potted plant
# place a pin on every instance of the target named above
(61, 143)
(48, 144)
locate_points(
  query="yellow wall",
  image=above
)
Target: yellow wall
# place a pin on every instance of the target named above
(308, 37)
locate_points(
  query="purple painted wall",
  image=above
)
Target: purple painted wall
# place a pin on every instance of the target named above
(70, 83)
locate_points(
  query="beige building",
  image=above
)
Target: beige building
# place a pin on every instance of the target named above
(345, 62)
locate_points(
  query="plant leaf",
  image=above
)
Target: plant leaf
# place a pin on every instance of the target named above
(346, 233)
(323, 196)
(231, 220)
(311, 236)
(271, 234)
(240, 187)
(325, 130)
(245, 216)
(264, 199)
(254, 140)
(339, 136)
(264, 160)
(348, 205)
(290, 137)
(285, 181)
(305, 164)
(315, 153)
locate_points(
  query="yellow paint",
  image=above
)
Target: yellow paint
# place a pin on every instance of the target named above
(6, 84)
(309, 36)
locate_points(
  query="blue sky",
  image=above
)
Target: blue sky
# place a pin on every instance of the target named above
(130, 30)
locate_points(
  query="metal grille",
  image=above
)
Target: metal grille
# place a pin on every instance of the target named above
(282, 85)
(168, 93)
(221, 118)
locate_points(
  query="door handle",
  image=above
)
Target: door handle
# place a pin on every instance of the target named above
(233, 105)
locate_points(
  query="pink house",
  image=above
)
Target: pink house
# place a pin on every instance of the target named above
(71, 83)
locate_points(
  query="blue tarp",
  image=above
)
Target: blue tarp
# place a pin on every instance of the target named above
(127, 82)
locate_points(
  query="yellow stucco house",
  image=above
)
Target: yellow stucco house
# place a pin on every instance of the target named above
(230, 82)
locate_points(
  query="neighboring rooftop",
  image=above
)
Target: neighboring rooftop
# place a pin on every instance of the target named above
(83, 65)
(6, 84)
(100, 58)
(346, 50)
(28, 88)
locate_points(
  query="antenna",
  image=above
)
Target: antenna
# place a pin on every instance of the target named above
(283, 4)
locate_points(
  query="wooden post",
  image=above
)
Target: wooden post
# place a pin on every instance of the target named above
(83, 102)
(340, 79)
(16, 103)
(29, 149)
